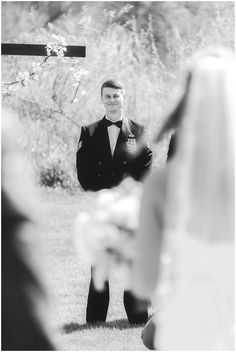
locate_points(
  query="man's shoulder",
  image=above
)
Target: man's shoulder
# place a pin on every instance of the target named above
(92, 126)
(135, 124)
(135, 127)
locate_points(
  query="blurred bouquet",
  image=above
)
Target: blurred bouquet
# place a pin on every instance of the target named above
(105, 233)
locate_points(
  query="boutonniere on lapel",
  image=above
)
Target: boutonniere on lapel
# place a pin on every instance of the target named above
(131, 143)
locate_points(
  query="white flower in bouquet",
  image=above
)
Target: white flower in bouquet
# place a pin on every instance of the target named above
(105, 233)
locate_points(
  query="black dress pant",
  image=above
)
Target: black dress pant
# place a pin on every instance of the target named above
(98, 301)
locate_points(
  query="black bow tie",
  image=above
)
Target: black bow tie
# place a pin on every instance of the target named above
(117, 123)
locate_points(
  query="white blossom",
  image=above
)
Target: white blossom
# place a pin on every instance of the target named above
(58, 46)
(23, 76)
(59, 39)
(79, 73)
(13, 87)
(36, 68)
(5, 90)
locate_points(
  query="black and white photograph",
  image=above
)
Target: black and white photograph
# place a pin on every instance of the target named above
(118, 175)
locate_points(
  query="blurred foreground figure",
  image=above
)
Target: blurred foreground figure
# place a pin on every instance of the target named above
(185, 242)
(24, 309)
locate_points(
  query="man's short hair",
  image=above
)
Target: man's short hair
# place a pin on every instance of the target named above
(112, 83)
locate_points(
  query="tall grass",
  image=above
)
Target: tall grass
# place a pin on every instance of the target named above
(114, 49)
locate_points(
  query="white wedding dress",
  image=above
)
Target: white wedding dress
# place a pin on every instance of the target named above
(185, 242)
(197, 312)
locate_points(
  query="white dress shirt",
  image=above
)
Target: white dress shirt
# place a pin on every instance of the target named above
(113, 133)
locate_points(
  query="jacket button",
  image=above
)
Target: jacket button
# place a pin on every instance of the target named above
(99, 163)
(99, 175)
(124, 162)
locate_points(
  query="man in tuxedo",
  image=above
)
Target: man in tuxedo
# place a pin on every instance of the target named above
(108, 151)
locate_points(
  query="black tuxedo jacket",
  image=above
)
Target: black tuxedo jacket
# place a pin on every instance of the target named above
(97, 168)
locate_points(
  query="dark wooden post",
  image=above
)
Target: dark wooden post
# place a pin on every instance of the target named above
(40, 50)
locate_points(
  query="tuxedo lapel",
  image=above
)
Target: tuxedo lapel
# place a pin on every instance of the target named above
(122, 139)
(102, 141)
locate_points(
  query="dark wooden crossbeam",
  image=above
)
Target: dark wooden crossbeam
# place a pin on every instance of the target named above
(40, 50)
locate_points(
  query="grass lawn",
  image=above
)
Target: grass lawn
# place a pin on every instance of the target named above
(69, 280)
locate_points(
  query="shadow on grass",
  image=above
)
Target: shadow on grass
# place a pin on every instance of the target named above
(120, 324)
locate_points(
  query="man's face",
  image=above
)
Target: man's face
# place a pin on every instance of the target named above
(113, 100)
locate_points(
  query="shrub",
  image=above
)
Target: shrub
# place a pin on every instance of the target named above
(53, 175)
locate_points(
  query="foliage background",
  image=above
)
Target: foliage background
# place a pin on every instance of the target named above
(144, 44)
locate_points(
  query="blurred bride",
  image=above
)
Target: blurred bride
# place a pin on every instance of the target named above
(185, 242)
